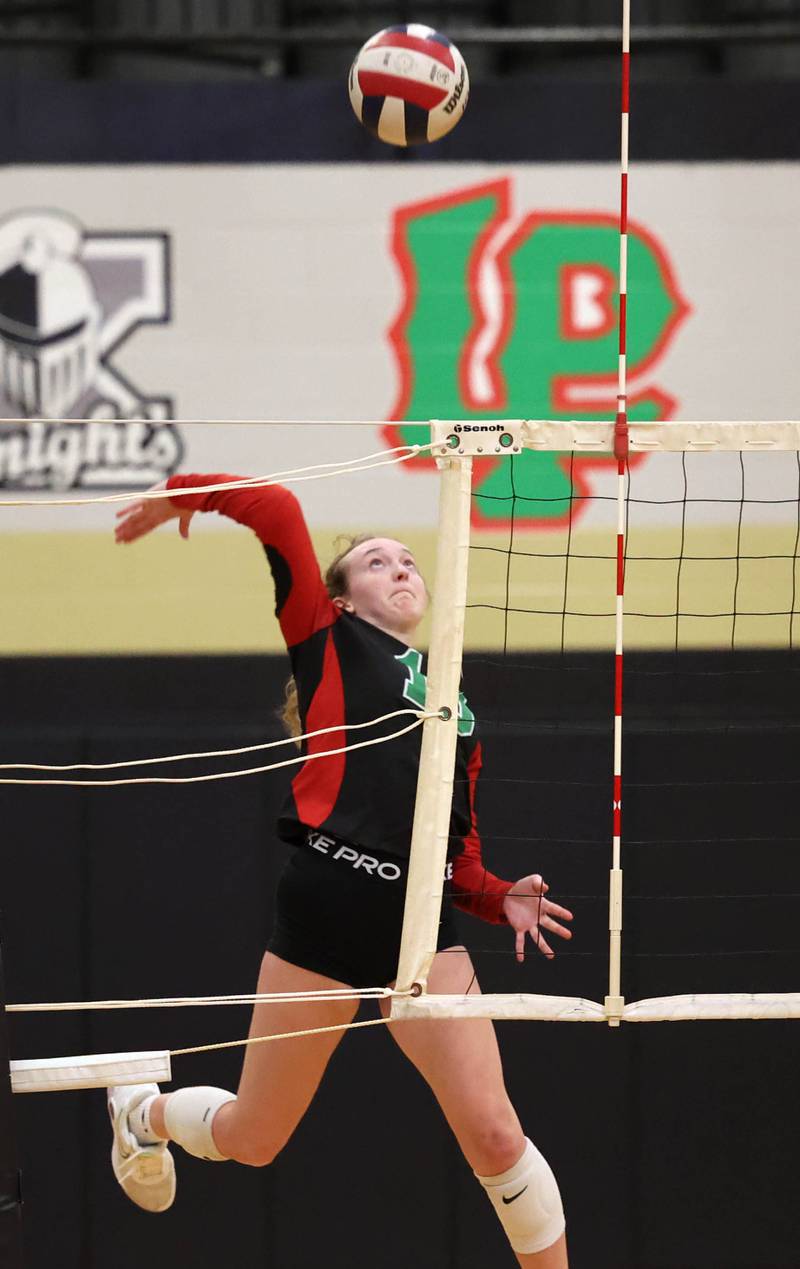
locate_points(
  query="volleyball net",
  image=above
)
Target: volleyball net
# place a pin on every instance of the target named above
(705, 591)
(693, 631)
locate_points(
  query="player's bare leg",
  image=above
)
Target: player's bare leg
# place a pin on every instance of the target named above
(460, 1060)
(279, 1079)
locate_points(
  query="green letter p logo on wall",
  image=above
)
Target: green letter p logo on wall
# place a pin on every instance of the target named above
(517, 318)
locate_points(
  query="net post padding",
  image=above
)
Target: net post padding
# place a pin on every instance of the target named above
(96, 1070)
(431, 829)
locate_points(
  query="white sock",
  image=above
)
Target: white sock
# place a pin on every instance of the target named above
(139, 1123)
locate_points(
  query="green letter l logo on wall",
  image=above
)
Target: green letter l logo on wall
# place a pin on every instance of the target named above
(519, 320)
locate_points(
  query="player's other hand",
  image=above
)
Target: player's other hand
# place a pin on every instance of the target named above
(137, 519)
(528, 911)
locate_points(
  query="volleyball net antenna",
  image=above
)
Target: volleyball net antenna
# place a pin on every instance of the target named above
(710, 515)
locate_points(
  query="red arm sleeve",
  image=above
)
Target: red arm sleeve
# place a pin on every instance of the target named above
(475, 890)
(302, 605)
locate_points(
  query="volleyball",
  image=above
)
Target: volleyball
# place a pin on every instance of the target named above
(409, 84)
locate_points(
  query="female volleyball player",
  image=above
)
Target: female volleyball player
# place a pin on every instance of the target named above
(340, 899)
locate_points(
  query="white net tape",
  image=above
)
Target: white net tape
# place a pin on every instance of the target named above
(719, 1007)
(109, 1069)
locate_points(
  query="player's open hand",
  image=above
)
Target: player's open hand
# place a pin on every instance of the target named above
(137, 519)
(528, 911)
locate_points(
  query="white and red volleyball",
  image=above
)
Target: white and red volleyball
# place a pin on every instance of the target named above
(409, 84)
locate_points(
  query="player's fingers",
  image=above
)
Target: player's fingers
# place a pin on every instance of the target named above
(555, 909)
(133, 527)
(122, 531)
(132, 516)
(520, 942)
(533, 887)
(542, 944)
(131, 509)
(555, 927)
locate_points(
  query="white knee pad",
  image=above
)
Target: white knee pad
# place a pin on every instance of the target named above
(527, 1201)
(189, 1115)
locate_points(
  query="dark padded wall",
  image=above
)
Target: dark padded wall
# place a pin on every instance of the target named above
(520, 120)
(662, 1136)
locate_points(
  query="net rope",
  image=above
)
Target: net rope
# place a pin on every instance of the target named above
(295, 475)
(214, 753)
(419, 719)
(284, 1035)
(182, 1002)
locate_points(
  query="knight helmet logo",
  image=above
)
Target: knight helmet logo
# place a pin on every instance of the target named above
(68, 299)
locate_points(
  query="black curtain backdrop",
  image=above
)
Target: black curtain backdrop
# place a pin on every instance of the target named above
(675, 1145)
(10, 1184)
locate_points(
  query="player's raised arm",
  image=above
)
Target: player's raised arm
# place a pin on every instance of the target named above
(274, 515)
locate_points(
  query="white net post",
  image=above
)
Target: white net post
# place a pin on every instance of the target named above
(431, 828)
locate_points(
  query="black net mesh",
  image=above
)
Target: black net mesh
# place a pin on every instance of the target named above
(711, 716)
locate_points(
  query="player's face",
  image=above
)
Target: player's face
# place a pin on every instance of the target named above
(384, 585)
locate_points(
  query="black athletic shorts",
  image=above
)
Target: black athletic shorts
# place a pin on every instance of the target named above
(339, 912)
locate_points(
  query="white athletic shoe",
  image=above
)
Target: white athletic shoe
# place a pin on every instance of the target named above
(146, 1173)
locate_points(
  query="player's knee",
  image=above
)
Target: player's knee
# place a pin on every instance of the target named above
(497, 1140)
(247, 1140)
(255, 1153)
(527, 1201)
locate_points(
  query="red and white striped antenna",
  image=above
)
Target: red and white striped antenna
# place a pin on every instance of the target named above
(614, 999)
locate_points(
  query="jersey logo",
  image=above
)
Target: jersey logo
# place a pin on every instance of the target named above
(416, 686)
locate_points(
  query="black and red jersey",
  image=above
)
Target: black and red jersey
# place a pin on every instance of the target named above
(349, 671)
